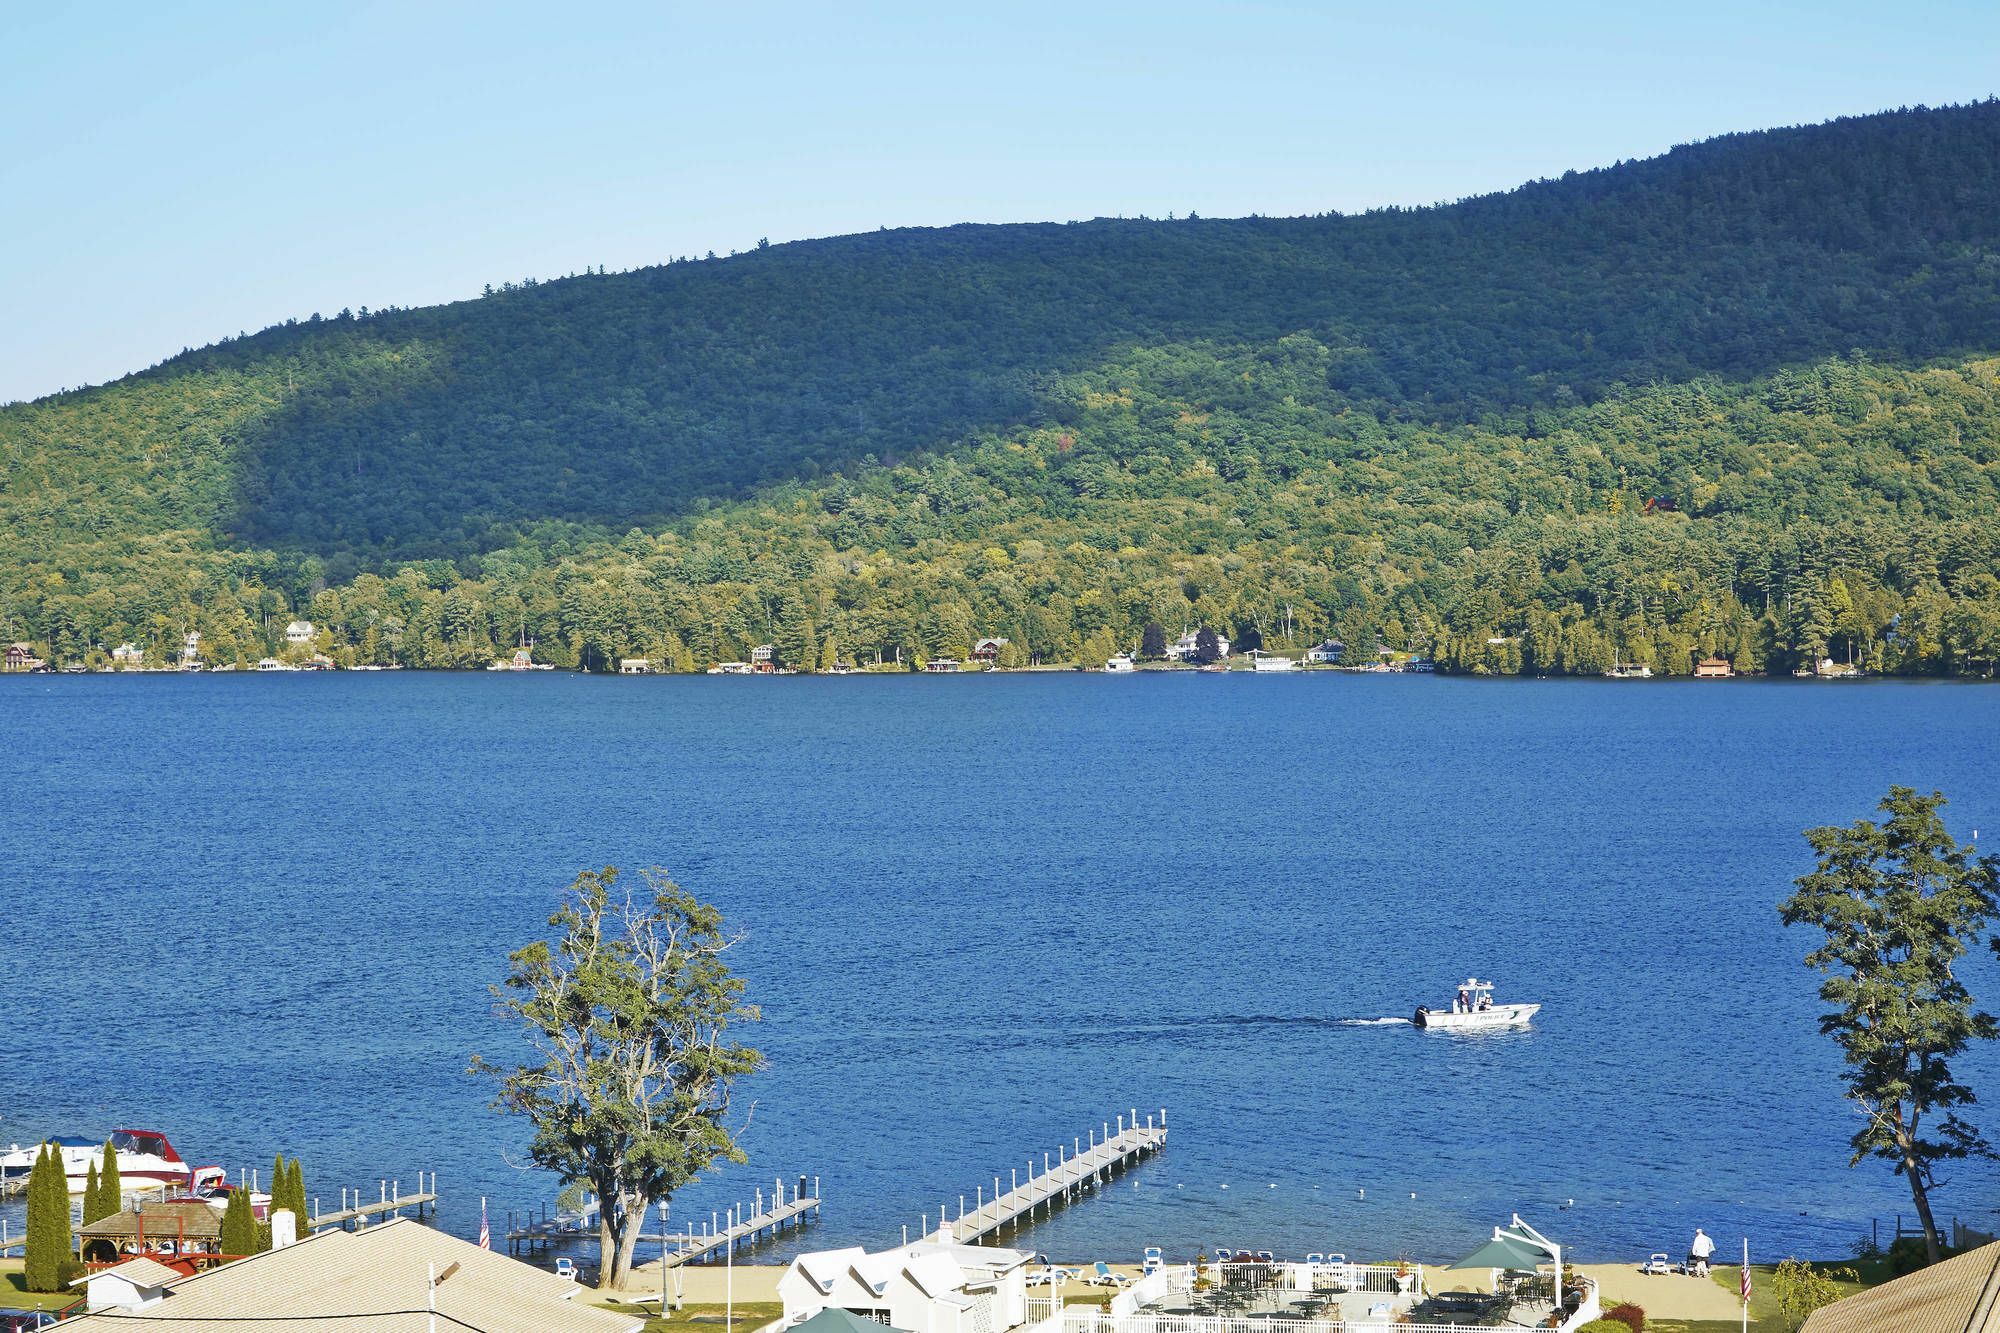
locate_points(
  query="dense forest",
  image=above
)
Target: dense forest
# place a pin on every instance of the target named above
(1438, 430)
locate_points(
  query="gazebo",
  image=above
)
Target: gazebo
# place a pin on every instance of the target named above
(182, 1233)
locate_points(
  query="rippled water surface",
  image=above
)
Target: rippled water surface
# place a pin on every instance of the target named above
(982, 914)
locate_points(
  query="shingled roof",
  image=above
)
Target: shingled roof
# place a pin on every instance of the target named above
(1959, 1295)
(376, 1280)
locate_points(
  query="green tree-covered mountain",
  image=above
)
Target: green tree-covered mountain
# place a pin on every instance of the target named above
(1438, 426)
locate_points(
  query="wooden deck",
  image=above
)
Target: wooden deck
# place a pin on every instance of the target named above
(1091, 1158)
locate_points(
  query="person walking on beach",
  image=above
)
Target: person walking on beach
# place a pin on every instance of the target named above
(1698, 1251)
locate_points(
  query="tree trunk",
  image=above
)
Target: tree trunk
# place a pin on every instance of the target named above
(1921, 1197)
(629, 1243)
(608, 1241)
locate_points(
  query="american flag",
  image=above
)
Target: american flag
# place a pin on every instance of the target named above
(1746, 1272)
(486, 1243)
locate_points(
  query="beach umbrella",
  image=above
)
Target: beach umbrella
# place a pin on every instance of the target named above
(1505, 1252)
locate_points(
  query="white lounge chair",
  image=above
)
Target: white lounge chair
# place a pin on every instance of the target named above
(565, 1268)
(1102, 1276)
(1656, 1263)
(1152, 1261)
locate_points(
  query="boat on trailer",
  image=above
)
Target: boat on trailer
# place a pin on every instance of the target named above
(1473, 1010)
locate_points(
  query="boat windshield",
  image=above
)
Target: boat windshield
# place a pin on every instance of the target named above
(139, 1144)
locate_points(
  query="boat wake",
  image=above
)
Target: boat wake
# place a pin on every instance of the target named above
(1369, 1022)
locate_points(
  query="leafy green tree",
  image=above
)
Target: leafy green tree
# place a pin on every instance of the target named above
(1153, 641)
(628, 1013)
(1799, 1288)
(1899, 903)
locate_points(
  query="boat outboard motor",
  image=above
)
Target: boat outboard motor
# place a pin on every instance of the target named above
(1423, 1012)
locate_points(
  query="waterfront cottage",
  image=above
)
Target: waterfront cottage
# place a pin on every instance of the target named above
(386, 1277)
(988, 650)
(932, 1286)
(764, 657)
(128, 655)
(634, 666)
(299, 632)
(1328, 653)
(1183, 648)
(21, 657)
(1713, 668)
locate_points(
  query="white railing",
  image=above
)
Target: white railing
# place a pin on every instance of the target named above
(1040, 1308)
(1148, 1290)
(1589, 1309)
(1089, 1321)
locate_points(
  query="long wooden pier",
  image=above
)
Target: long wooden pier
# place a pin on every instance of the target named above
(794, 1208)
(392, 1202)
(1090, 1158)
(787, 1207)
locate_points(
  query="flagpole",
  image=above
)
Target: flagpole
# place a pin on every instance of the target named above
(1746, 1284)
(729, 1277)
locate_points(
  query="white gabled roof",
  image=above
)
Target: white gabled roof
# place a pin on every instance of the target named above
(824, 1267)
(140, 1272)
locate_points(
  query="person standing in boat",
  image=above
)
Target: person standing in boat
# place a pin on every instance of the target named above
(1463, 1004)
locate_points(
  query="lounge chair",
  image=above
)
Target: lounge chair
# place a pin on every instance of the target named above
(1656, 1263)
(1315, 1258)
(565, 1268)
(1153, 1260)
(1102, 1276)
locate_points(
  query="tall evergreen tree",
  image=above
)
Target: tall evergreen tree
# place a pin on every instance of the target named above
(110, 1183)
(239, 1225)
(93, 1201)
(48, 1254)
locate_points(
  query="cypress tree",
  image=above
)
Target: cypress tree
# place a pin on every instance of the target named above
(299, 1193)
(239, 1225)
(93, 1200)
(110, 1184)
(48, 1249)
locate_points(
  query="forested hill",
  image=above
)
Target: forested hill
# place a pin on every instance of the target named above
(629, 398)
(1437, 427)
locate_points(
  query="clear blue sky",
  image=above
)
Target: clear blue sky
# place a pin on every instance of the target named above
(173, 173)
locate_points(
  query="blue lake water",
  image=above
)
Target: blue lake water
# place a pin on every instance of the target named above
(981, 914)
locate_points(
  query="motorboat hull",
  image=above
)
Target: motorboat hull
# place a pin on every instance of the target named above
(1477, 1020)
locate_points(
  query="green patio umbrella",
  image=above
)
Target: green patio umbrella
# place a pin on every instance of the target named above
(1505, 1252)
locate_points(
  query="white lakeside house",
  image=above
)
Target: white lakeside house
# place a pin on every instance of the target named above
(930, 1286)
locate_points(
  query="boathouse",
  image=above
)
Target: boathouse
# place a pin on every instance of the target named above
(1713, 668)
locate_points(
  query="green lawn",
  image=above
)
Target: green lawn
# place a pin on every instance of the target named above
(15, 1295)
(1764, 1316)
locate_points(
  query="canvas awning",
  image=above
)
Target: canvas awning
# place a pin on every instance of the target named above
(831, 1320)
(1506, 1252)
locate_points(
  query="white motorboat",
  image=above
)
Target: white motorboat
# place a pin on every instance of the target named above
(1472, 1009)
(146, 1161)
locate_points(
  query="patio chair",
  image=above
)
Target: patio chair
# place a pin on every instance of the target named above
(566, 1268)
(1102, 1276)
(1657, 1263)
(1315, 1258)
(1152, 1261)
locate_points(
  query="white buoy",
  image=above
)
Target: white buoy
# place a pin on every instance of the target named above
(1361, 1194)
(1273, 1185)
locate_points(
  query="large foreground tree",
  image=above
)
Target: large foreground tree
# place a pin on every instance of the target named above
(1900, 903)
(627, 1012)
